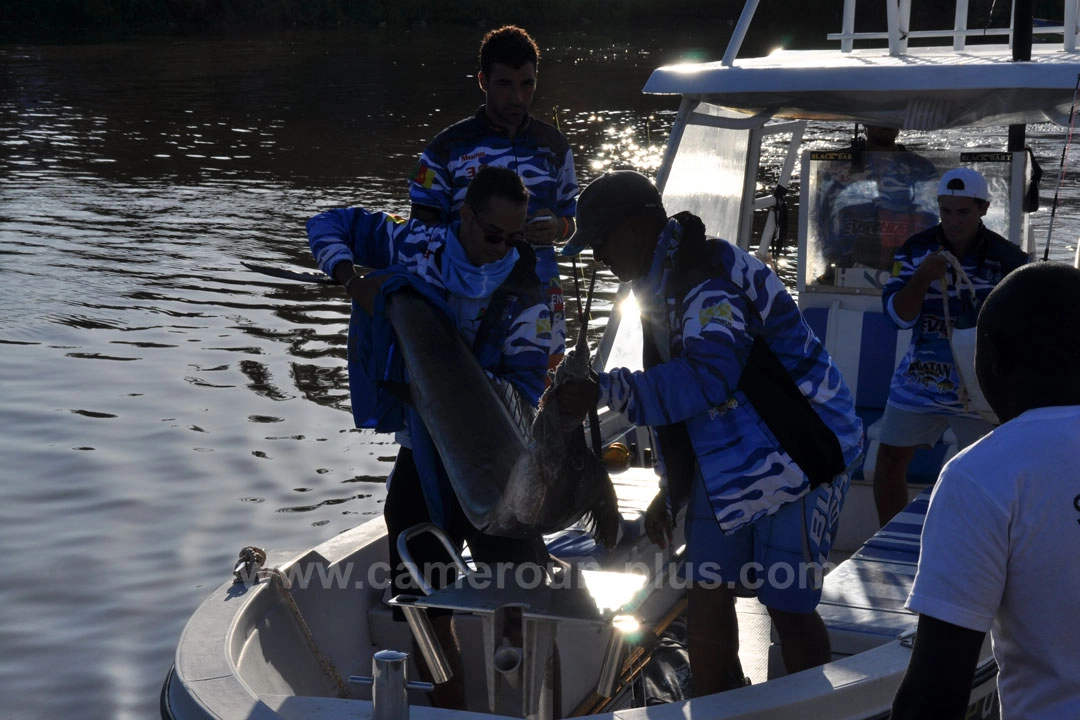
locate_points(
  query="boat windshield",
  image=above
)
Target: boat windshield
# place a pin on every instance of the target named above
(861, 207)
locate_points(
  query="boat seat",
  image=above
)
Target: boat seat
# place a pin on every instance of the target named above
(867, 346)
(579, 601)
(635, 487)
(862, 603)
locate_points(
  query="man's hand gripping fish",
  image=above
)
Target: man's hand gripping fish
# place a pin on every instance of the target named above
(560, 480)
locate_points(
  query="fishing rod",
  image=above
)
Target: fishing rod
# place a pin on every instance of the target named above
(282, 273)
(1061, 174)
(594, 414)
(577, 287)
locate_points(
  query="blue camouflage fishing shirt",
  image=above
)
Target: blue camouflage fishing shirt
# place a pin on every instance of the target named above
(538, 152)
(747, 475)
(926, 380)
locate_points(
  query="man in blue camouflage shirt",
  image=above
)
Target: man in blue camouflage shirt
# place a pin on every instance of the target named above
(479, 269)
(756, 522)
(503, 133)
(927, 395)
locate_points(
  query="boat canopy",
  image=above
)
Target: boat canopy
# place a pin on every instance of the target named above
(922, 89)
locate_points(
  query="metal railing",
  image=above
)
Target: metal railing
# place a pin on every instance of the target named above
(898, 13)
(898, 32)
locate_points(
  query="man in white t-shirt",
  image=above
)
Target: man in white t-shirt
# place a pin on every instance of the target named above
(1001, 543)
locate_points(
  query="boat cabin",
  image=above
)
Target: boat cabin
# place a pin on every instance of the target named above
(747, 146)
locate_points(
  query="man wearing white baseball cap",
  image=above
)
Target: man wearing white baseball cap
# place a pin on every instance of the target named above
(927, 394)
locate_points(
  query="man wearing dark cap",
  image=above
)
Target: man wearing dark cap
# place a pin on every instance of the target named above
(1001, 544)
(734, 380)
(928, 394)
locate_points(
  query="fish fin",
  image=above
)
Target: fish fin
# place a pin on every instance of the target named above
(603, 519)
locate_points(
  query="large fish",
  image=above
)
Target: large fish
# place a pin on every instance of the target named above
(515, 471)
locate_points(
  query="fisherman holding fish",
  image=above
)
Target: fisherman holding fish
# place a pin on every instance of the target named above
(754, 423)
(503, 133)
(480, 270)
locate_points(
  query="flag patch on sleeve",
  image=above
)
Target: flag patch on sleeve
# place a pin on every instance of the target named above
(424, 176)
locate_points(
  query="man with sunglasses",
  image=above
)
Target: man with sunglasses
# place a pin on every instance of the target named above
(503, 133)
(483, 271)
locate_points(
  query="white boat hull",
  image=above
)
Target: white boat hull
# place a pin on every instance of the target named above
(246, 654)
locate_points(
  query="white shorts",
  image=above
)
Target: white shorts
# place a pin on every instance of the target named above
(903, 428)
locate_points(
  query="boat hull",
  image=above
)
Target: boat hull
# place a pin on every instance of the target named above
(249, 653)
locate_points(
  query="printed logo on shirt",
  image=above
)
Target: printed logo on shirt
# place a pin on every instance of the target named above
(819, 519)
(555, 295)
(424, 176)
(930, 373)
(945, 386)
(731, 403)
(471, 169)
(933, 325)
(720, 312)
(543, 327)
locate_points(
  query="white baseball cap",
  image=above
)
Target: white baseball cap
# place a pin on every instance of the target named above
(964, 182)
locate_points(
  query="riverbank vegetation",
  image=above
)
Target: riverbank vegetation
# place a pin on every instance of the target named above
(42, 19)
(801, 20)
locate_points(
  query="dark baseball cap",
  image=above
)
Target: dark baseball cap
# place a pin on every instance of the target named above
(606, 201)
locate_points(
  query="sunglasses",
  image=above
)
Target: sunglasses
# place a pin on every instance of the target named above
(494, 235)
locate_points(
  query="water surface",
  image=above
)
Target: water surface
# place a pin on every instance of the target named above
(164, 407)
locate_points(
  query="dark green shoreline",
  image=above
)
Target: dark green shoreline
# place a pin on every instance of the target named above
(802, 22)
(65, 20)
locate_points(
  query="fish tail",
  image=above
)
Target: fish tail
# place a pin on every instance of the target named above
(602, 520)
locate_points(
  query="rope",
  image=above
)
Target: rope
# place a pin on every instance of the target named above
(1061, 174)
(962, 283)
(280, 583)
(249, 569)
(989, 16)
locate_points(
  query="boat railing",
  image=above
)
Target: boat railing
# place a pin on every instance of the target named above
(898, 31)
(899, 17)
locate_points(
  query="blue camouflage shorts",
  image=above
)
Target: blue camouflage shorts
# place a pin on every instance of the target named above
(780, 558)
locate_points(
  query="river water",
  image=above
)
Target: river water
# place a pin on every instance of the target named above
(164, 407)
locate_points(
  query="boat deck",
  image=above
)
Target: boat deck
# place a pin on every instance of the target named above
(863, 598)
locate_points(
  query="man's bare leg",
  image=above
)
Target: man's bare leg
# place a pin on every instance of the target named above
(890, 480)
(804, 639)
(713, 640)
